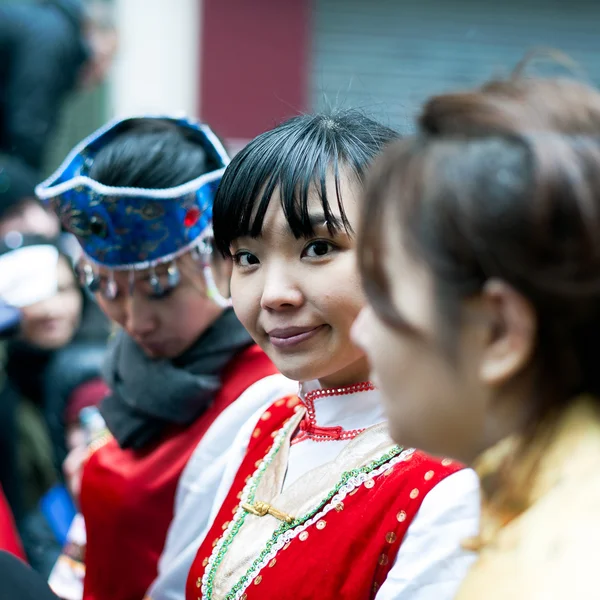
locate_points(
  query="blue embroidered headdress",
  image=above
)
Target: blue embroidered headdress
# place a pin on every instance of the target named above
(126, 228)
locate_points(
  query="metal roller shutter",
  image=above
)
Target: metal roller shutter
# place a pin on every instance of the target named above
(386, 56)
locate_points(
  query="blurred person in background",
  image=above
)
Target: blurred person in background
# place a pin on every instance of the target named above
(138, 195)
(480, 256)
(48, 49)
(20, 210)
(59, 346)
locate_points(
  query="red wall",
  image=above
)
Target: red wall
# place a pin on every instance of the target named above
(255, 57)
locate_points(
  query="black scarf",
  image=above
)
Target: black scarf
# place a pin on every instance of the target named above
(148, 395)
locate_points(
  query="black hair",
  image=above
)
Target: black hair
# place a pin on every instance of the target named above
(294, 157)
(150, 154)
(17, 185)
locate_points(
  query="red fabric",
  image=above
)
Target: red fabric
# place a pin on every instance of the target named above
(90, 393)
(265, 54)
(348, 553)
(127, 497)
(9, 538)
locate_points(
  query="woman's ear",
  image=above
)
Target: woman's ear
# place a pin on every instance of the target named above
(511, 336)
(222, 267)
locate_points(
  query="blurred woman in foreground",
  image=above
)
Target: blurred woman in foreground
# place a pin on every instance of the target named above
(480, 255)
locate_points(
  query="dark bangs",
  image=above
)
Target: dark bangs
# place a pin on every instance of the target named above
(294, 159)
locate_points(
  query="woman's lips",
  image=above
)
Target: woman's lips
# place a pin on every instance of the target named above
(289, 337)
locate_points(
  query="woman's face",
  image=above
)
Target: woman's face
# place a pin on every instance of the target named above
(299, 297)
(444, 399)
(52, 323)
(166, 325)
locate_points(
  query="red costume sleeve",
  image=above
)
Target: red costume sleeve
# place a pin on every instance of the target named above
(9, 538)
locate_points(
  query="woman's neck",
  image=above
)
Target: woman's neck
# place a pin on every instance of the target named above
(356, 372)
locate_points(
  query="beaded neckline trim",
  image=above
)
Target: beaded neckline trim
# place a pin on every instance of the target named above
(309, 428)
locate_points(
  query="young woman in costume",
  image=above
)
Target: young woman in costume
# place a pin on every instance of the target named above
(480, 254)
(138, 196)
(319, 502)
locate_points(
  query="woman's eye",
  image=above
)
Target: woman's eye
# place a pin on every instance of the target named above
(245, 259)
(317, 249)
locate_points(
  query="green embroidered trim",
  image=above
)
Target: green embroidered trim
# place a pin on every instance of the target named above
(345, 478)
(239, 518)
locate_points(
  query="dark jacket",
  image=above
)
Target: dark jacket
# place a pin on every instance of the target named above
(42, 50)
(19, 582)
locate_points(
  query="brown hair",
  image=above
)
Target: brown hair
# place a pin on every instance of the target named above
(502, 182)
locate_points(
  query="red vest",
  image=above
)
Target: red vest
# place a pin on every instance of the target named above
(127, 496)
(9, 538)
(343, 549)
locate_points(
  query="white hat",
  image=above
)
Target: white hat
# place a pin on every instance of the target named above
(28, 275)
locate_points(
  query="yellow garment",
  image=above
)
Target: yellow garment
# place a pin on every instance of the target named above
(540, 535)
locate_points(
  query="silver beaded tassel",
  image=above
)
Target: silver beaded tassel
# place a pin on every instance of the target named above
(91, 280)
(202, 254)
(173, 275)
(155, 283)
(110, 291)
(131, 281)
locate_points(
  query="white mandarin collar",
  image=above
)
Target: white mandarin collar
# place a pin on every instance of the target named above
(353, 407)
